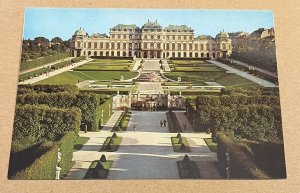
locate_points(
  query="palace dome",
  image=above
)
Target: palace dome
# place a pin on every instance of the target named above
(151, 25)
(80, 32)
(222, 34)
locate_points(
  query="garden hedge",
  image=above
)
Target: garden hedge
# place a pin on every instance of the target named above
(42, 122)
(71, 89)
(61, 65)
(43, 168)
(41, 61)
(77, 59)
(241, 165)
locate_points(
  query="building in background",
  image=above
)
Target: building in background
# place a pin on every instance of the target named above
(151, 41)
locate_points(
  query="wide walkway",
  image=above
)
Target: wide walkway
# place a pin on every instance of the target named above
(150, 88)
(146, 153)
(246, 75)
(89, 152)
(151, 65)
(56, 72)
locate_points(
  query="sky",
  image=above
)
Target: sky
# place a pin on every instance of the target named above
(53, 22)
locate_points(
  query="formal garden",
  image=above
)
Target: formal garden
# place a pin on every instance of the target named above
(246, 126)
(57, 114)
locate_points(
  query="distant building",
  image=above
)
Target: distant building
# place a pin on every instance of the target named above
(151, 41)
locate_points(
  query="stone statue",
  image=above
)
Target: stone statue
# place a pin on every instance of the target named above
(58, 168)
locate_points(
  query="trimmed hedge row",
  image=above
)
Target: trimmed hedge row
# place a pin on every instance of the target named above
(26, 88)
(77, 59)
(250, 114)
(95, 110)
(61, 65)
(43, 168)
(32, 74)
(241, 165)
(41, 61)
(66, 145)
(44, 165)
(42, 122)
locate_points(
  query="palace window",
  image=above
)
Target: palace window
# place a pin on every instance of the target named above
(190, 46)
(184, 54)
(184, 37)
(124, 45)
(184, 46)
(107, 45)
(106, 53)
(95, 53)
(152, 45)
(145, 36)
(118, 46)
(113, 36)
(78, 44)
(101, 53)
(158, 37)
(152, 37)
(201, 47)
(119, 36)
(207, 46)
(124, 53)
(202, 55)
(173, 37)
(158, 45)
(101, 45)
(124, 36)
(112, 53)
(173, 54)
(191, 54)
(118, 53)
(196, 55)
(224, 46)
(196, 47)
(179, 37)
(179, 46)
(136, 45)
(145, 45)
(112, 45)
(95, 45)
(173, 47)
(167, 46)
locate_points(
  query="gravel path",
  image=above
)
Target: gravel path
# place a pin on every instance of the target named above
(151, 65)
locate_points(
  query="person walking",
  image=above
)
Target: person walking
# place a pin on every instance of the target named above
(165, 122)
(161, 123)
(184, 126)
(134, 127)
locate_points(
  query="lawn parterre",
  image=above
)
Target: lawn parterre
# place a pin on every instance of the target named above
(73, 77)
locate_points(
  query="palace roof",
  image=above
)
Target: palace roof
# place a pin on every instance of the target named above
(80, 32)
(222, 34)
(98, 35)
(179, 28)
(151, 25)
(203, 37)
(124, 26)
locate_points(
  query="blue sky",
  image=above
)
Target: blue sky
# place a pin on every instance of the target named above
(50, 22)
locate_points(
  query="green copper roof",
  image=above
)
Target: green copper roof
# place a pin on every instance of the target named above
(203, 37)
(178, 28)
(98, 35)
(80, 32)
(123, 26)
(151, 25)
(222, 34)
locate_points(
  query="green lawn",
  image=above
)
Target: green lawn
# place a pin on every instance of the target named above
(223, 78)
(211, 145)
(80, 142)
(72, 77)
(176, 145)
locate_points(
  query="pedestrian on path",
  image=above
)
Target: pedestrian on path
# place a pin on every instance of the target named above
(161, 123)
(165, 122)
(134, 127)
(184, 126)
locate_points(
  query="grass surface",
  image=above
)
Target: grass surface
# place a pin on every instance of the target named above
(223, 78)
(211, 145)
(176, 145)
(115, 146)
(80, 142)
(72, 77)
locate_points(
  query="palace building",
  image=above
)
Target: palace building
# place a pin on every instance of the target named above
(151, 41)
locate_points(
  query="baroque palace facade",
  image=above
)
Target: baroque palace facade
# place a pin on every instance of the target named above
(151, 41)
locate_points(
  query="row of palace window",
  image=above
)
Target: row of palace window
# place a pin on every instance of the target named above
(152, 37)
(167, 46)
(167, 54)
